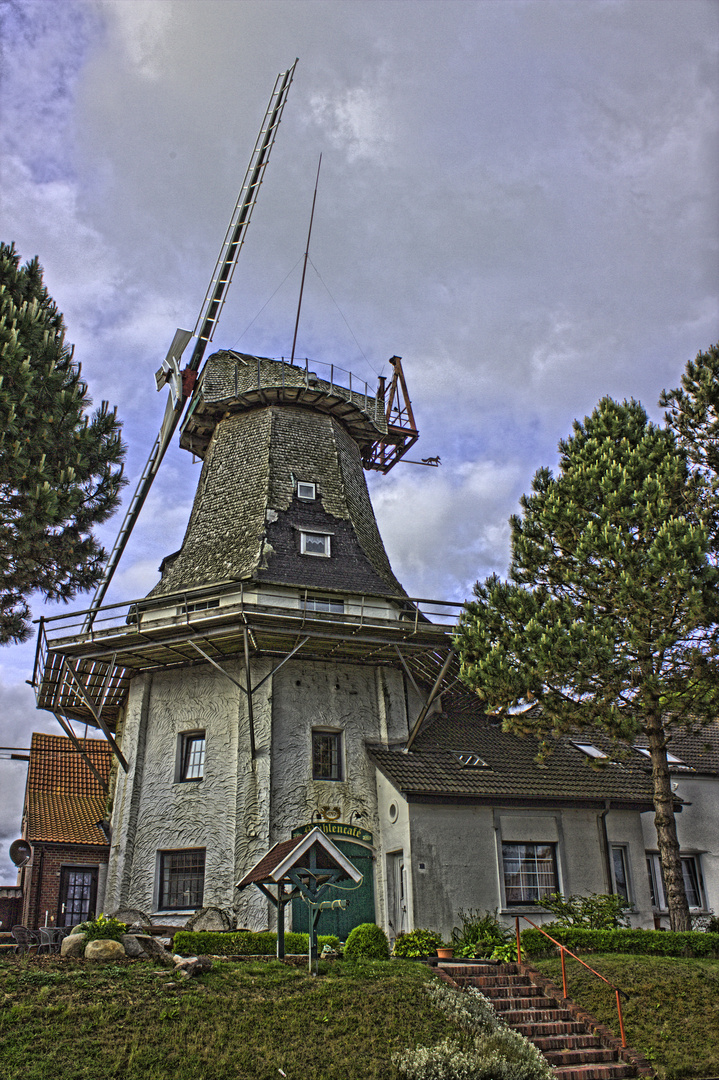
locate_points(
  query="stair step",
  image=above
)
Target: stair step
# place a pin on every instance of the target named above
(492, 980)
(505, 993)
(550, 1030)
(594, 1072)
(562, 1058)
(536, 1016)
(567, 1042)
(522, 1004)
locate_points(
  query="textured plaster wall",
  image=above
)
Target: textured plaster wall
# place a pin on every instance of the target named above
(395, 837)
(362, 704)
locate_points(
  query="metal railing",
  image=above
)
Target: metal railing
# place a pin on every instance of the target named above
(562, 950)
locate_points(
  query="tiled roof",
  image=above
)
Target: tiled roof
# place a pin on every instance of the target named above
(440, 764)
(64, 819)
(699, 750)
(64, 801)
(56, 766)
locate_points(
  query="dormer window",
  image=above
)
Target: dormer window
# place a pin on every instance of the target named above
(312, 543)
(306, 491)
(591, 751)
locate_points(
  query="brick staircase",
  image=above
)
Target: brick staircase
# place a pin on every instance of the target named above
(576, 1046)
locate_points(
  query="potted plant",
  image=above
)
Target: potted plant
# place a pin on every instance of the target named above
(445, 950)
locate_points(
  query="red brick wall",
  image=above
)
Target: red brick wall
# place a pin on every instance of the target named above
(42, 878)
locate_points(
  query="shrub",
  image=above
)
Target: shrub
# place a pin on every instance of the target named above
(102, 927)
(495, 1052)
(598, 911)
(479, 934)
(243, 943)
(643, 942)
(366, 942)
(417, 943)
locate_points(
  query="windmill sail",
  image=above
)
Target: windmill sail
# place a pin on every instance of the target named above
(180, 382)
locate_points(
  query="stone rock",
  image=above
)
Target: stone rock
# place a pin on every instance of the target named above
(104, 949)
(73, 945)
(131, 945)
(152, 948)
(189, 966)
(132, 917)
(212, 919)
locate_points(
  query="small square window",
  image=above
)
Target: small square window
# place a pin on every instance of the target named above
(326, 755)
(306, 491)
(182, 879)
(192, 756)
(315, 544)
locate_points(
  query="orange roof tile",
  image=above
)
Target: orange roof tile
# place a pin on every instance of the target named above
(64, 800)
(64, 819)
(56, 766)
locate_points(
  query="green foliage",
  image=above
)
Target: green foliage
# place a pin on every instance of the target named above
(417, 943)
(243, 943)
(489, 1050)
(505, 953)
(609, 614)
(479, 934)
(103, 927)
(60, 469)
(366, 942)
(598, 911)
(644, 942)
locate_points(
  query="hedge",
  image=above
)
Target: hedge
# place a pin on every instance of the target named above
(645, 942)
(244, 943)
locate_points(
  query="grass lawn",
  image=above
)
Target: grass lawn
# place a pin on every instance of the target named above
(672, 1015)
(67, 1019)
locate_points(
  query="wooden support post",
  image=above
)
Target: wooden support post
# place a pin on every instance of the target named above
(281, 902)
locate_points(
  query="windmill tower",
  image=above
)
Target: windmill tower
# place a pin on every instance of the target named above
(240, 694)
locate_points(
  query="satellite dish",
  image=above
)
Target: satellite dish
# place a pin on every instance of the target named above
(20, 852)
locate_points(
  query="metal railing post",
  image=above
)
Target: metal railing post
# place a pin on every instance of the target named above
(519, 941)
(621, 1019)
(564, 971)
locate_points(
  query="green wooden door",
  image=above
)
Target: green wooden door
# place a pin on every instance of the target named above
(360, 902)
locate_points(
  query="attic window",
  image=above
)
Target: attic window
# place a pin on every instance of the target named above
(470, 761)
(671, 758)
(324, 603)
(315, 544)
(306, 491)
(591, 751)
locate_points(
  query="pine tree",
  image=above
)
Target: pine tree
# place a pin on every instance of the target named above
(609, 614)
(60, 469)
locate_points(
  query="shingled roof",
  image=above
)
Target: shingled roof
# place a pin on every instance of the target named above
(63, 800)
(466, 757)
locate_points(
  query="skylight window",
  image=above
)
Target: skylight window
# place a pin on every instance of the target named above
(470, 761)
(591, 751)
(671, 758)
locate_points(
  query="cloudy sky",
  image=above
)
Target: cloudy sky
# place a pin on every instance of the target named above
(519, 197)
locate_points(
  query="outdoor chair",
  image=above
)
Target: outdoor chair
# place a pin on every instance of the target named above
(25, 939)
(50, 938)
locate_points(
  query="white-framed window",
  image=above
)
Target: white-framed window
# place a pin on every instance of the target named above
(202, 605)
(326, 755)
(181, 879)
(306, 491)
(693, 883)
(620, 871)
(191, 756)
(530, 872)
(324, 603)
(312, 543)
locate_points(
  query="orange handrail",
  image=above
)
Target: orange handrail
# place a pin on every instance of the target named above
(562, 950)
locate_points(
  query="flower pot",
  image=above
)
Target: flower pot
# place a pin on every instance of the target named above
(445, 954)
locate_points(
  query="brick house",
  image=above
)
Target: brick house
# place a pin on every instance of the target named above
(64, 806)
